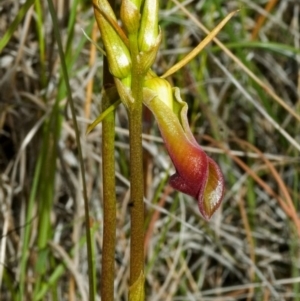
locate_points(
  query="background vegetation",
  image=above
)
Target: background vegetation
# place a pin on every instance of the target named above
(244, 108)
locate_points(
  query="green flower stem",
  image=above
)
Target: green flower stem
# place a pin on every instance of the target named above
(109, 196)
(136, 168)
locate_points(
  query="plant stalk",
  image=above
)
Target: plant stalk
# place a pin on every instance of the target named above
(137, 192)
(136, 169)
(109, 196)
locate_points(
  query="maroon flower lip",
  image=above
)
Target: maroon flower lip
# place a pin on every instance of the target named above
(196, 173)
(200, 177)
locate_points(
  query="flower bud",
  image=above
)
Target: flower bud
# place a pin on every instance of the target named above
(130, 16)
(117, 52)
(148, 32)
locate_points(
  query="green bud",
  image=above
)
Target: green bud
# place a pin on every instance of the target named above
(148, 32)
(117, 52)
(130, 16)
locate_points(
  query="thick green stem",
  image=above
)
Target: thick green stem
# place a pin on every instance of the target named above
(136, 170)
(109, 196)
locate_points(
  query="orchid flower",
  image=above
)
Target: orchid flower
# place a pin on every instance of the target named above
(196, 173)
(131, 50)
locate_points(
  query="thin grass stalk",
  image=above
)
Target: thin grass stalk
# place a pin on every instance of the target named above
(13, 26)
(41, 40)
(109, 196)
(27, 230)
(46, 193)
